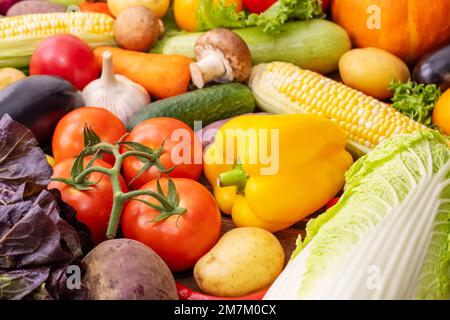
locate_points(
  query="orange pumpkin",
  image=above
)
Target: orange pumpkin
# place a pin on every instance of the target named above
(406, 28)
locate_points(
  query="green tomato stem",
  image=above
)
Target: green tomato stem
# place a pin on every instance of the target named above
(121, 197)
(86, 172)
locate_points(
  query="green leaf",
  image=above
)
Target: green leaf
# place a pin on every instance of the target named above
(162, 217)
(78, 165)
(172, 194)
(95, 156)
(222, 15)
(388, 236)
(145, 167)
(90, 138)
(151, 205)
(414, 100)
(157, 163)
(160, 190)
(284, 10)
(138, 147)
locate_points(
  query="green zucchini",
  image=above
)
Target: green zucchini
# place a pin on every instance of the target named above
(316, 45)
(207, 105)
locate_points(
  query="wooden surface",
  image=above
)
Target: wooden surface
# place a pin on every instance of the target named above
(287, 237)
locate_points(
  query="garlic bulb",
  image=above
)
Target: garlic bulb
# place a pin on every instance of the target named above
(116, 93)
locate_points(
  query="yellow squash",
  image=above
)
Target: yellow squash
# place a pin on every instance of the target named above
(271, 171)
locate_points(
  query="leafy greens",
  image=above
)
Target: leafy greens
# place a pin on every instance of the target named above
(388, 237)
(39, 234)
(414, 100)
(211, 15)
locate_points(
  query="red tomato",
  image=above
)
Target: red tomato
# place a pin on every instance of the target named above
(258, 6)
(179, 240)
(182, 149)
(325, 4)
(67, 57)
(93, 206)
(68, 136)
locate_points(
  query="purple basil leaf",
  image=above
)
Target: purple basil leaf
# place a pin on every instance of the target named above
(23, 165)
(39, 233)
(17, 284)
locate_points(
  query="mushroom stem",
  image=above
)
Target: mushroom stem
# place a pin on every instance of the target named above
(206, 70)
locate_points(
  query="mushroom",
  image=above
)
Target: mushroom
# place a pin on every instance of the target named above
(222, 56)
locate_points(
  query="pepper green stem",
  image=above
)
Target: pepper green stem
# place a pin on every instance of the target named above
(236, 177)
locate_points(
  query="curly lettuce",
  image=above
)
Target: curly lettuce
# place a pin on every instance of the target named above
(211, 15)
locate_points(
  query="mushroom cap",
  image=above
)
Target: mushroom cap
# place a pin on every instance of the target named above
(233, 48)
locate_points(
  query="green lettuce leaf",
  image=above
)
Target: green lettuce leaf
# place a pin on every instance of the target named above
(388, 237)
(210, 16)
(284, 10)
(221, 15)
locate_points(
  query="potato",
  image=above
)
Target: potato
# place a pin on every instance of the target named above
(244, 260)
(370, 70)
(137, 29)
(124, 269)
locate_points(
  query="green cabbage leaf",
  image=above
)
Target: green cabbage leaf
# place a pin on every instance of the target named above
(388, 237)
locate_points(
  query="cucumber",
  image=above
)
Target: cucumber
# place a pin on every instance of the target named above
(207, 105)
(316, 45)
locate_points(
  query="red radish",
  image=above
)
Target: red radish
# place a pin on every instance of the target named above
(68, 57)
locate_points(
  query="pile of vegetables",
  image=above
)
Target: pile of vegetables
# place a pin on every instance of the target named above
(134, 155)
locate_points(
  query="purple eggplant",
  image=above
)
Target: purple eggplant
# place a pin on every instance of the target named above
(39, 102)
(434, 68)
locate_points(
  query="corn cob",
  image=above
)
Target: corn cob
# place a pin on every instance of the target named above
(20, 35)
(281, 87)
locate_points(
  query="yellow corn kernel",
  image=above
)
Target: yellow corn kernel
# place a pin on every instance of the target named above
(366, 120)
(20, 35)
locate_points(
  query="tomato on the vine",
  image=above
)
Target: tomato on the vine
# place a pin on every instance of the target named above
(180, 239)
(182, 150)
(68, 138)
(93, 206)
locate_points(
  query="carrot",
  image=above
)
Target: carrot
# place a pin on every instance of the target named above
(101, 7)
(163, 75)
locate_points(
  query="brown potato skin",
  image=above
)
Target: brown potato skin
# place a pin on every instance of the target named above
(243, 261)
(124, 269)
(137, 29)
(371, 70)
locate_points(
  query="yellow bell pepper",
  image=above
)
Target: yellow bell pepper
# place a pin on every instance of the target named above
(271, 171)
